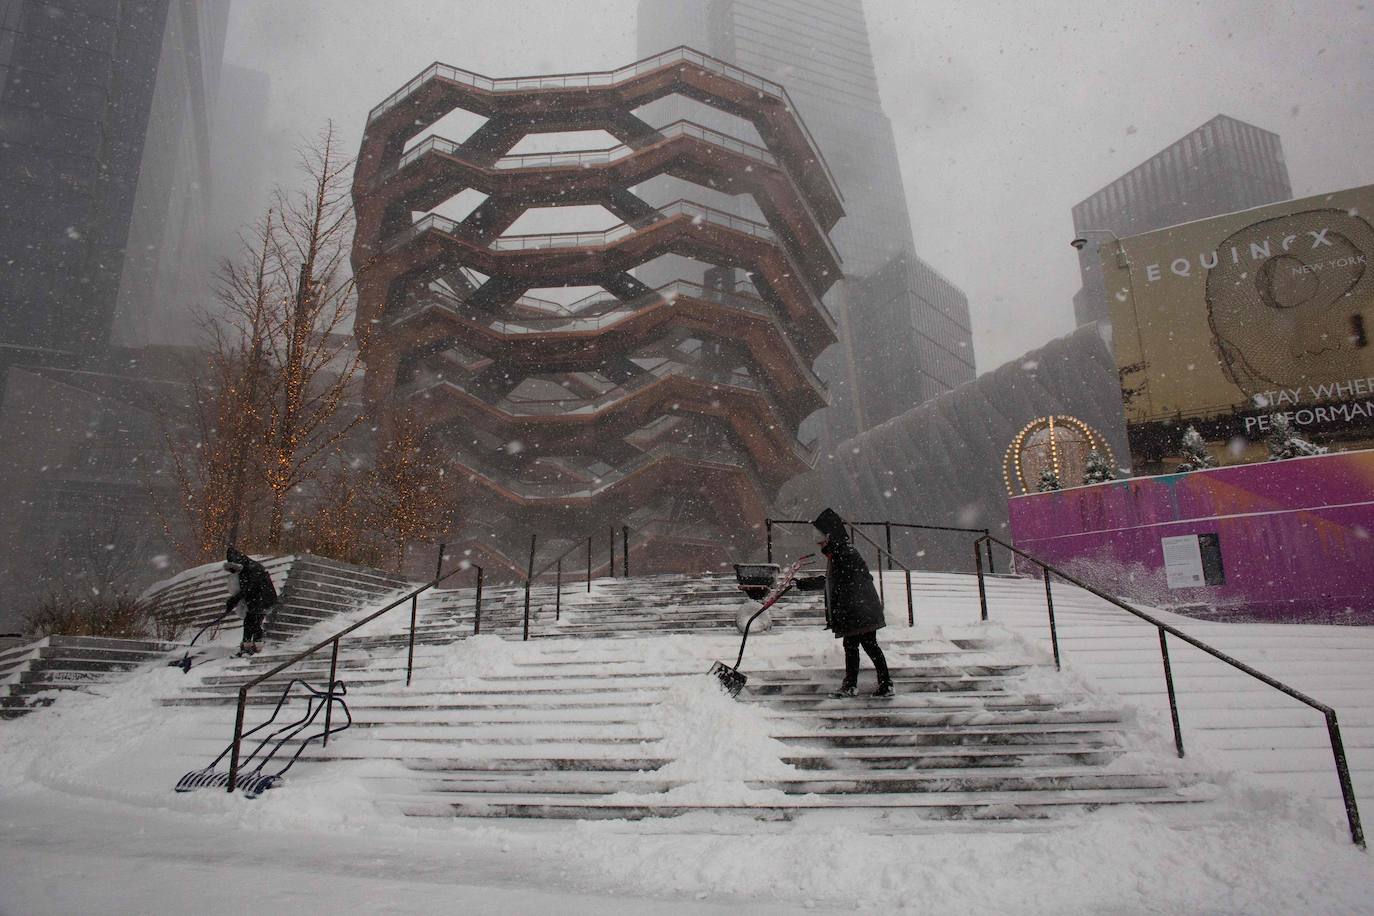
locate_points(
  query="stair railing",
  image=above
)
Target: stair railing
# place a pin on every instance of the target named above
(412, 596)
(1333, 729)
(887, 526)
(557, 564)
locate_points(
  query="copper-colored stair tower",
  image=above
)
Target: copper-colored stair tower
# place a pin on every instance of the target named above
(674, 410)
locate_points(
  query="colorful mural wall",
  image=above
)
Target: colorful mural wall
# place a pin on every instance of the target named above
(1285, 540)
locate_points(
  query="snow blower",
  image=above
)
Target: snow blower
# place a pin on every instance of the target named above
(753, 579)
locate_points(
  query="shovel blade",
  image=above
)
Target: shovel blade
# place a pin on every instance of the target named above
(730, 679)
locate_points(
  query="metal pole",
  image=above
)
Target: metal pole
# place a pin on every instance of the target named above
(529, 574)
(238, 738)
(625, 550)
(439, 565)
(888, 527)
(477, 609)
(589, 564)
(410, 653)
(882, 593)
(1352, 812)
(982, 591)
(988, 544)
(910, 607)
(1049, 604)
(610, 535)
(329, 692)
(1169, 685)
(558, 593)
(768, 527)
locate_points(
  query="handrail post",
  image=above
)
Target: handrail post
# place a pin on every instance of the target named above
(439, 564)
(982, 591)
(529, 574)
(589, 564)
(1169, 686)
(625, 550)
(888, 526)
(1352, 811)
(238, 738)
(910, 607)
(768, 529)
(410, 653)
(1049, 605)
(610, 535)
(558, 593)
(477, 608)
(992, 569)
(882, 593)
(329, 691)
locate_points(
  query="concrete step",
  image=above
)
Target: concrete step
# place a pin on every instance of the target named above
(991, 804)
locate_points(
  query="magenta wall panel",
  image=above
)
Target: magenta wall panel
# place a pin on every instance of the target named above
(1296, 537)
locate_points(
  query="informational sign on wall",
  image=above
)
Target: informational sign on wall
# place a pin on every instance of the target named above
(1192, 560)
(1182, 561)
(1221, 323)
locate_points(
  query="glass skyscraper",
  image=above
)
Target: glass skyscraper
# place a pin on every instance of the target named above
(904, 330)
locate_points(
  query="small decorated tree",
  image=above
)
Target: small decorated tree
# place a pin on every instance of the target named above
(1097, 469)
(1049, 480)
(1284, 443)
(1195, 454)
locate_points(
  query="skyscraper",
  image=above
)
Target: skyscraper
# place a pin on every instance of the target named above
(820, 51)
(1223, 166)
(103, 151)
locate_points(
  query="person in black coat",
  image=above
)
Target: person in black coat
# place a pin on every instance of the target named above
(257, 593)
(853, 611)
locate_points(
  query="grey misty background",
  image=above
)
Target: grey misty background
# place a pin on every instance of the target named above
(1005, 115)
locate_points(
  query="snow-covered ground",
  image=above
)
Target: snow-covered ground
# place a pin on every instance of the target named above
(88, 822)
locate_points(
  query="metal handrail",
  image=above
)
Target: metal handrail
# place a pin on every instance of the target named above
(411, 596)
(1332, 727)
(887, 526)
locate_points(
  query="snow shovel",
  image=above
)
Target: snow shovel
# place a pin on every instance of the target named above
(730, 678)
(205, 653)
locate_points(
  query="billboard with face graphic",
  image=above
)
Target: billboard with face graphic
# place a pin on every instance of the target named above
(1221, 323)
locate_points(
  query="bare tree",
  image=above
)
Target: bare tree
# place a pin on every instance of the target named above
(269, 399)
(307, 417)
(408, 494)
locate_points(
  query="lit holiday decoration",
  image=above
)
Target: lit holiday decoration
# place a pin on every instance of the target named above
(1059, 445)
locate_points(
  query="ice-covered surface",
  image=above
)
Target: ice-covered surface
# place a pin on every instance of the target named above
(88, 821)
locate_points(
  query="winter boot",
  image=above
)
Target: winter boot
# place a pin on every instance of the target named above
(846, 690)
(884, 690)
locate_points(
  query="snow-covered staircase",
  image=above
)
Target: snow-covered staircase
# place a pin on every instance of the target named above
(584, 721)
(31, 671)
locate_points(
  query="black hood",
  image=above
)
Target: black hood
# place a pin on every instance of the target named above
(233, 556)
(831, 525)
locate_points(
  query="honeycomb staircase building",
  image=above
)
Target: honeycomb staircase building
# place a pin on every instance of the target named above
(674, 410)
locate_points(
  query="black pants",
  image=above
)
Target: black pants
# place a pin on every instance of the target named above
(252, 626)
(869, 641)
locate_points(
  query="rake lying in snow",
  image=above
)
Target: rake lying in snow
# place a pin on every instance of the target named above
(751, 579)
(254, 781)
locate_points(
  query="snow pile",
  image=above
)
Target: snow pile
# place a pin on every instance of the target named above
(716, 746)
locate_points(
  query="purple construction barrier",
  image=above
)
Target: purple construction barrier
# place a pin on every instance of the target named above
(1295, 538)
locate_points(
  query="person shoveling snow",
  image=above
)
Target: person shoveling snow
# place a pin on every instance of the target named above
(853, 610)
(252, 586)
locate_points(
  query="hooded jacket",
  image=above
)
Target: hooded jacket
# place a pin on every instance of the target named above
(255, 583)
(852, 606)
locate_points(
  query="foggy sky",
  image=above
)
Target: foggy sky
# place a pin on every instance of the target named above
(1005, 114)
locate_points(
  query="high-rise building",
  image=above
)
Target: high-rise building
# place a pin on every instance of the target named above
(105, 138)
(104, 150)
(1223, 166)
(884, 363)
